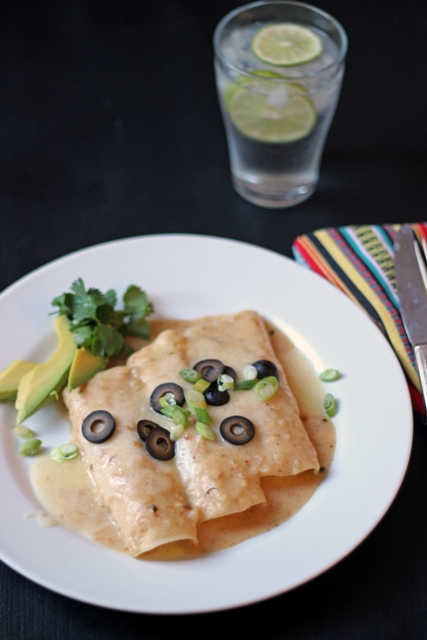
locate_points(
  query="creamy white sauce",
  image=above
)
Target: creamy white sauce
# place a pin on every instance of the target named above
(67, 493)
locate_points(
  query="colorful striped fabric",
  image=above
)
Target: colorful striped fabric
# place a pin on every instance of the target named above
(359, 260)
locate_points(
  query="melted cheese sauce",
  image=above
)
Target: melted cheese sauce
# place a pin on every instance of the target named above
(67, 493)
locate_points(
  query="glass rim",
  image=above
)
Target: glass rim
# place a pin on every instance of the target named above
(229, 16)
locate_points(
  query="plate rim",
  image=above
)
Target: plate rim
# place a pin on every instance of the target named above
(250, 247)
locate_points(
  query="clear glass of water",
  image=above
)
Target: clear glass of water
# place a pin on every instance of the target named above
(279, 68)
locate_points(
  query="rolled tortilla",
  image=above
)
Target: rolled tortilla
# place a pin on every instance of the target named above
(221, 478)
(144, 495)
(154, 502)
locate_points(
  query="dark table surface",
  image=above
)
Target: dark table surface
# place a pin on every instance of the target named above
(110, 128)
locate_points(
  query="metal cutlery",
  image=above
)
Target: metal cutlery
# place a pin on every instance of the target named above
(411, 280)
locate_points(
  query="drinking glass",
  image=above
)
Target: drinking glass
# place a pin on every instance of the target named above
(278, 107)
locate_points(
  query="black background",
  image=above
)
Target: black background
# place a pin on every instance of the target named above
(110, 128)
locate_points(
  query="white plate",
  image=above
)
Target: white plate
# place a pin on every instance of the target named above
(190, 276)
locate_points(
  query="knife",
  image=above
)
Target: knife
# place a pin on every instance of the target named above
(411, 280)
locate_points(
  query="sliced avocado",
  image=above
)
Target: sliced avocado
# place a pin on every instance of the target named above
(84, 367)
(43, 383)
(11, 377)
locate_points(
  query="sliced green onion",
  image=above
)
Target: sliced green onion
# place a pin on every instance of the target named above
(168, 400)
(329, 375)
(195, 399)
(202, 415)
(176, 432)
(201, 385)
(250, 372)
(23, 432)
(266, 388)
(245, 385)
(190, 375)
(56, 456)
(225, 382)
(330, 405)
(30, 447)
(205, 431)
(180, 417)
(68, 451)
(168, 411)
(64, 452)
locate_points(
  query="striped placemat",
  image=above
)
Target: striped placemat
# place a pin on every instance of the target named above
(359, 260)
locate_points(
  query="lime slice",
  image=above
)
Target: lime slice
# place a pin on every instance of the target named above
(261, 87)
(261, 118)
(266, 73)
(286, 44)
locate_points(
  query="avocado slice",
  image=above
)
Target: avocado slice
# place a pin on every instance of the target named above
(85, 365)
(43, 383)
(11, 377)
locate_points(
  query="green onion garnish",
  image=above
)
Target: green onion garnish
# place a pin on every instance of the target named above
(195, 399)
(202, 415)
(168, 411)
(56, 456)
(176, 432)
(23, 432)
(225, 382)
(245, 385)
(30, 447)
(168, 400)
(250, 372)
(330, 405)
(190, 375)
(180, 417)
(64, 452)
(266, 388)
(205, 431)
(68, 451)
(329, 375)
(201, 385)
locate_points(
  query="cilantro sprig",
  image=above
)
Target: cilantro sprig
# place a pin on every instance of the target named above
(97, 324)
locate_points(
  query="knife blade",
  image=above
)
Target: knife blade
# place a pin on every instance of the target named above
(411, 275)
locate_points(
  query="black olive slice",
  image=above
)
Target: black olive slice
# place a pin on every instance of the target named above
(163, 389)
(266, 368)
(98, 426)
(144, 428)
(237, 430)
(209, 369)
(159, 445)
(215, 397)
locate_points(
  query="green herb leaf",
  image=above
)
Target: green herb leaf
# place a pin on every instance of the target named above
(111, 297)
(110, 341)
(85, 302)
(64, 304)
(139, 327)
(95, 322)
(136, 302)
(245, 385)
(83, 336)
